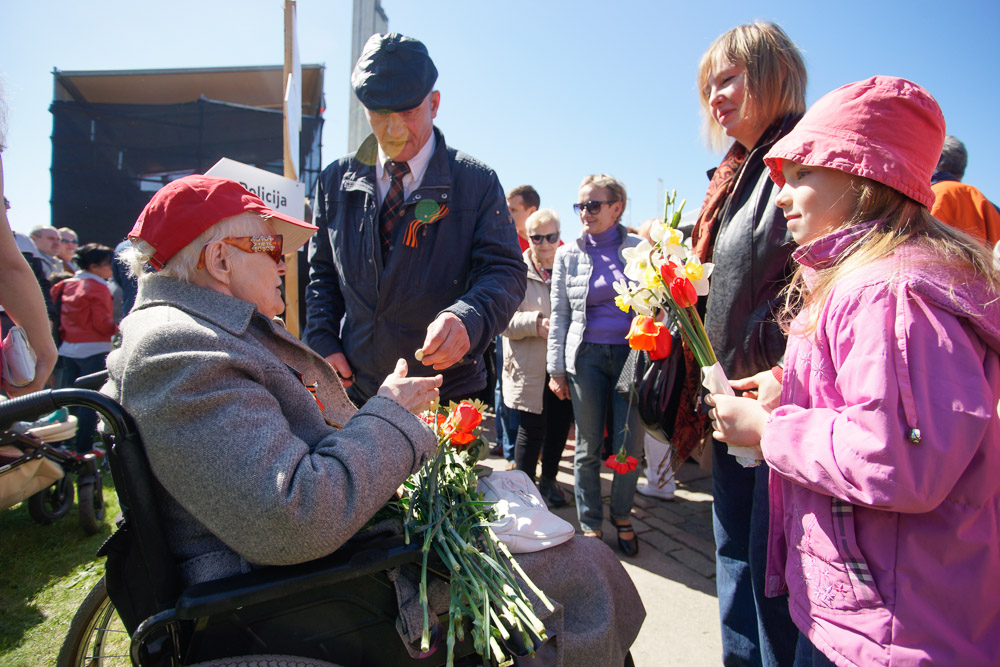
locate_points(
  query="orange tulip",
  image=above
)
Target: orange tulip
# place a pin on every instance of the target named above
(642, 334)
(462, 424)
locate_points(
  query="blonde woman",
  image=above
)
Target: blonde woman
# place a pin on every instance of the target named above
(587, 350)
(752, 82)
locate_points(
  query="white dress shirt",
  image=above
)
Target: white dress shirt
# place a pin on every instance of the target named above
(412, 180)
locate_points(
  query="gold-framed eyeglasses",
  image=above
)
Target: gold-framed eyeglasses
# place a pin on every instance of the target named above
(266, 243)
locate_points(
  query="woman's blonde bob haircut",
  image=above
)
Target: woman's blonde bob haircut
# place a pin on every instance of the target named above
(183, 265)
(775, 76)
(611, 183)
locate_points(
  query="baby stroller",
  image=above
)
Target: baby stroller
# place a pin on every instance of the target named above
(33, 468)
(337, 610)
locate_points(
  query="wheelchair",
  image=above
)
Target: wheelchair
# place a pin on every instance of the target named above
(337, 610)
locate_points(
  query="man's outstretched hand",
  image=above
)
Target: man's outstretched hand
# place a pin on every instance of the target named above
(446, 342)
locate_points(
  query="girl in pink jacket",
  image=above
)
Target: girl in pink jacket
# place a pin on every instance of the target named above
(885, 450)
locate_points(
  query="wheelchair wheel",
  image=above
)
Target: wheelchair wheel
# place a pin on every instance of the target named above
(266, 661)
(90, 498)
(96, 636)
(52, 503)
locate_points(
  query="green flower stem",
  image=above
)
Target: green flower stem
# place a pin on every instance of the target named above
(524, 577)
(443, 505)
(452, 622)
(688, 331)
(703, 335)
(425, 634)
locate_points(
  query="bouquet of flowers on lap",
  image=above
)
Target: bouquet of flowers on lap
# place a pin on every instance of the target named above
(442, 507)
(667, 275)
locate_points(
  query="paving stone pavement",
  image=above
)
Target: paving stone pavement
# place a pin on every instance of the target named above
(674, 571)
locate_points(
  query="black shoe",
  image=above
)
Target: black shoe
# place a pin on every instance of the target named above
(629, 547)
(551, 493)
(496, 450)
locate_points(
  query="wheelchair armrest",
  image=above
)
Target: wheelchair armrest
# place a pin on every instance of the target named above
(272, 583)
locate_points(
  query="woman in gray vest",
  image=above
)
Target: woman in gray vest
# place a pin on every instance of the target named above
(587, 349)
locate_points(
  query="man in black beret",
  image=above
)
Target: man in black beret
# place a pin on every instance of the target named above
(416, 255)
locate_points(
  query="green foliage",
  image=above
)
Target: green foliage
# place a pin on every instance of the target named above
(46, 572)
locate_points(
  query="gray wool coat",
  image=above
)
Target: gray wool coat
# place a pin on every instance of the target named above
(250, 470)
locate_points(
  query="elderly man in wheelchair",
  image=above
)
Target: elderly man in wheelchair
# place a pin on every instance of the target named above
(259, 472)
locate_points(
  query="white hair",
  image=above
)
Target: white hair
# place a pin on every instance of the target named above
(540, 217)
(182, 265)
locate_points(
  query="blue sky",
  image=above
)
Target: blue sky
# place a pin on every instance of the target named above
(544, 92)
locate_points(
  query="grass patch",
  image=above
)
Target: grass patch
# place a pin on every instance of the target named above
(45, 574)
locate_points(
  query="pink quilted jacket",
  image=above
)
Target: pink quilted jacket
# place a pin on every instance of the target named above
(885, 467)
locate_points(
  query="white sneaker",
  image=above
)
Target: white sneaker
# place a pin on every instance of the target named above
(650, 491)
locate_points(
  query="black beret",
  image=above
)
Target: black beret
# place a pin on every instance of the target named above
(394, 73)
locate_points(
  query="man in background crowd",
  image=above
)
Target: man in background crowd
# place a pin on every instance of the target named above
(522, 202)
(960, 204)
(47, 242)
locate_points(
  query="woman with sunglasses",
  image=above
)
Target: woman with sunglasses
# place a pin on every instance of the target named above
(544, 418)
(752, 82)
(263, 459)
(587, 349)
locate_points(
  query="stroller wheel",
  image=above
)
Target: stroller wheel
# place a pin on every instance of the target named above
(52, 503)
(90, 498)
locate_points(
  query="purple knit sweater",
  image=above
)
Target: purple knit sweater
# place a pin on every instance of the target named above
(606, 323)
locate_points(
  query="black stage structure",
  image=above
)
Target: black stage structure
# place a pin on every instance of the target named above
(119, 136)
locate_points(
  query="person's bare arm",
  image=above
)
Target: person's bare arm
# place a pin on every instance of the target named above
(21, 297)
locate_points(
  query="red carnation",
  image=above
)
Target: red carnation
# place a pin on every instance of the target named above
(621, 463)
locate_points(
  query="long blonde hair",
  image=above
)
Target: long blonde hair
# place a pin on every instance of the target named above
(901, 221)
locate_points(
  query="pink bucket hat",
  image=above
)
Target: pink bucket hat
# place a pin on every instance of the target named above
(884, 128)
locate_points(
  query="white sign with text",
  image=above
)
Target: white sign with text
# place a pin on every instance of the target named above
(282, 194)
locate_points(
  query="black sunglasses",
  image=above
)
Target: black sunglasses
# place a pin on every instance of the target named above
(591, 206)
(538, 238)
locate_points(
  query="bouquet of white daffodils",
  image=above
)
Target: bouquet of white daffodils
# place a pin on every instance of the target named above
(667, 275)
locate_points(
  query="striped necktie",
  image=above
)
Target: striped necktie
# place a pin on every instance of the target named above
(392, 205)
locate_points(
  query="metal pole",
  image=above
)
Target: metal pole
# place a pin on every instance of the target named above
(291, 259)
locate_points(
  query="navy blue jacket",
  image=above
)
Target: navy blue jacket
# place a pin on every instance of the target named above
(455, 251)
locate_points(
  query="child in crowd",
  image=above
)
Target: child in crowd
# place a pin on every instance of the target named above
(885, 450)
